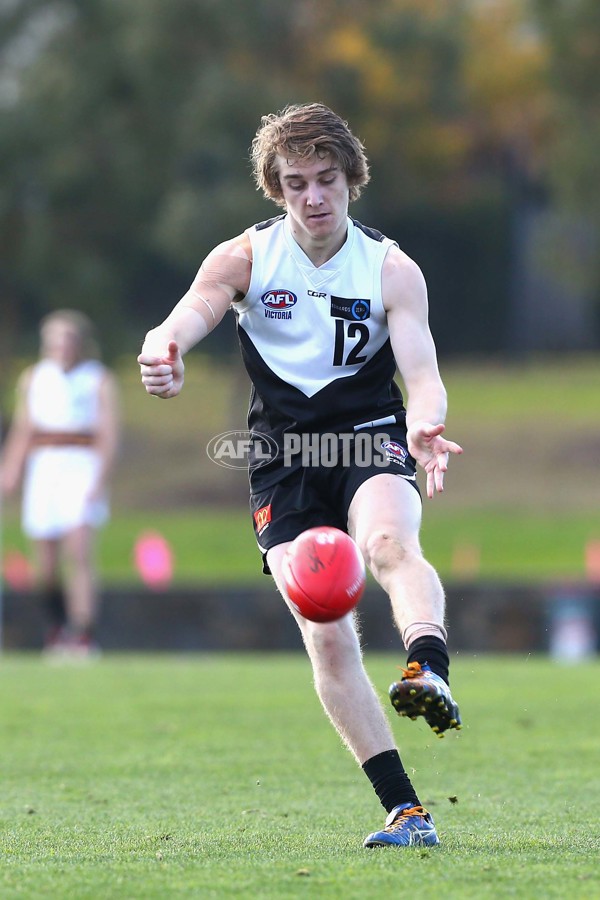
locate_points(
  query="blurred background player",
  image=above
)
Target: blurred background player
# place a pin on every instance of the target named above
(61, 446)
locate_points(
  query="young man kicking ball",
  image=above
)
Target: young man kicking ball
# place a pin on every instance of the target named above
(326, 310)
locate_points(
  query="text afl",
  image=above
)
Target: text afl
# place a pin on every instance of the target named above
(280, 301)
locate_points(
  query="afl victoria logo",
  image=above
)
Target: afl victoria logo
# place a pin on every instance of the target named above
(279, 300)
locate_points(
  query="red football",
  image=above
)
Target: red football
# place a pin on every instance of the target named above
(324, 573)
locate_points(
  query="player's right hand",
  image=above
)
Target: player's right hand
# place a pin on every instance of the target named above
(162, 376)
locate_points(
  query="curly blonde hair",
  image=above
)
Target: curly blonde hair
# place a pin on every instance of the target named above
(300, 132)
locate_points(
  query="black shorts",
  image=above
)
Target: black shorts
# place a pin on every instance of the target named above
(321, 494)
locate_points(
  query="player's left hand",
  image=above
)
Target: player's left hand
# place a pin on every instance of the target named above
(431, 451)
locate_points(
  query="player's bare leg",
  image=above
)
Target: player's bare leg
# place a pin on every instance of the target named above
(81, 589)
(341, 681)
(385, 518)
(351, 703)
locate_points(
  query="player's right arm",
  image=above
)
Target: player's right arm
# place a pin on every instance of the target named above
(223, 278)
(18, 440)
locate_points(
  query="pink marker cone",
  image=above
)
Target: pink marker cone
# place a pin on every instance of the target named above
(154, 560)
(17, 571)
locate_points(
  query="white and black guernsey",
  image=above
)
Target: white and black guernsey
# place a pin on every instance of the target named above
(315, 341)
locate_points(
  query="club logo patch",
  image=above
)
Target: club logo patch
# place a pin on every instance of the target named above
(262, 517)
(356, 310)
(395, 452)
(278, 304)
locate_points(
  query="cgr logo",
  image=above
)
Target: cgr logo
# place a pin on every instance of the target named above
(279, 299)
(236, 449)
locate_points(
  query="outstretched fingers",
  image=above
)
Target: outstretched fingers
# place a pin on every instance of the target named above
(435, 475)
(452, 447)
(437, 466)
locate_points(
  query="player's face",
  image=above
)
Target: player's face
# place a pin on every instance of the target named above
(316, 195)
(61, 342)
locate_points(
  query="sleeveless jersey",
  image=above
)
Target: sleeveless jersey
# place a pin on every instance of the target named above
(58, 479)
(65, 401)
(315, 341)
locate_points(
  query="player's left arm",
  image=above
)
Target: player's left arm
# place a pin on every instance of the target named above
(108, 431)
(405, 301)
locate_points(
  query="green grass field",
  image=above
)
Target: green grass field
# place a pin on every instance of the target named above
(218, 776)
(215, 546)
(523, 500)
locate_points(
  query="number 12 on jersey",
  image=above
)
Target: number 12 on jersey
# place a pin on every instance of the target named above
(357, 332)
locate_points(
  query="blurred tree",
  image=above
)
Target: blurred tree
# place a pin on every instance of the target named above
(571, 29)
(124, 132)
(124, 128)
(451, 104)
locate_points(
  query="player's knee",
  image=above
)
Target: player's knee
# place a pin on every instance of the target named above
(384, 550)
(332, 641)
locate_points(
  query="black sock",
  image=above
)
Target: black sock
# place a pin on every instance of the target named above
(390, 782)
(54, 604)
(433, 651)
